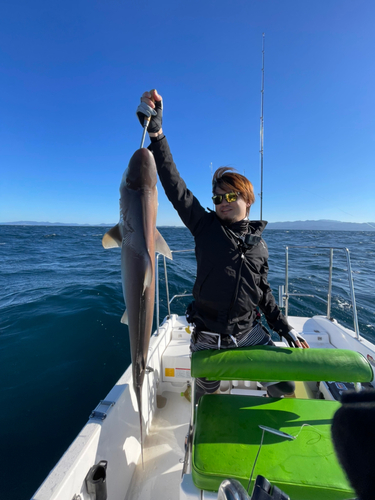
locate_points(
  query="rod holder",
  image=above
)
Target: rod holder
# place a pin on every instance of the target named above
(96, 481)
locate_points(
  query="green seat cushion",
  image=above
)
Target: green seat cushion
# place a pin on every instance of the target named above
(266, 363)
(227, 438)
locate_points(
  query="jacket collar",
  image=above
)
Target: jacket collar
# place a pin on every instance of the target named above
(256, 226)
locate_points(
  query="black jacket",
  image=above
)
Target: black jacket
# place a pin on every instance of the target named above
(231, 278)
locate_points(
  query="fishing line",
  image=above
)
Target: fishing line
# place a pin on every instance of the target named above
(255, 461)
(277, 433)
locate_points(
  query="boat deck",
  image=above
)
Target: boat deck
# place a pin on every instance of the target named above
(164, 444)
(163, 451)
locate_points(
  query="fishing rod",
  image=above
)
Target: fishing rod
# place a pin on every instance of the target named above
(261, 133)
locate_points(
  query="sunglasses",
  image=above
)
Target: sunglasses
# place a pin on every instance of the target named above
(229, 197)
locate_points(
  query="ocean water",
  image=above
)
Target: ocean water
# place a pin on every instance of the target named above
(62, 346)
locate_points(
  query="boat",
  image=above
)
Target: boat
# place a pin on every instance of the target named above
(193, 451)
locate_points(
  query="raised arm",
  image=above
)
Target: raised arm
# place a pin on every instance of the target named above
(188, 207)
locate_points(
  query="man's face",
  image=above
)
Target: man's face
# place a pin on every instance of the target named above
(230, 212)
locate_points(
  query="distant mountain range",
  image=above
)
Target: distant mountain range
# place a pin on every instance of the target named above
(300, 225)
(322, 225)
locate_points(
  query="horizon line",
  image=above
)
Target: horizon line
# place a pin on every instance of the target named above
(103, 224)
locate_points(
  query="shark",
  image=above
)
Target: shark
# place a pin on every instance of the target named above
(138, 238)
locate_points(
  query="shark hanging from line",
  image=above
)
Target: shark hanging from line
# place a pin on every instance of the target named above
(138, 238)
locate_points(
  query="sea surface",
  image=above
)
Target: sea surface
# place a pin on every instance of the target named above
(62, 346)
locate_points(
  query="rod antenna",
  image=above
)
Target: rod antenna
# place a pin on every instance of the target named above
(261, 133)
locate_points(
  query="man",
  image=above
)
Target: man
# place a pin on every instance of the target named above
(232, 257)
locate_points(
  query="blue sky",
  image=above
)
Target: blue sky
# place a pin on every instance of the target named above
(71, 75)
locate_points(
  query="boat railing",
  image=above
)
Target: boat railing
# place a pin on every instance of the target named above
(284, 293)
(157, 288)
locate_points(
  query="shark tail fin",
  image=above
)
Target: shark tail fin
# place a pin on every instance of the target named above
(112, 238)
(161, 245)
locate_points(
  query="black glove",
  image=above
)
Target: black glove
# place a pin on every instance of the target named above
(292, 337)
(144, 110)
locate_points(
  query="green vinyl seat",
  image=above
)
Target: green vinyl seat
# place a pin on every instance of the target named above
(270, 363)
(227, 438)
(226, 427)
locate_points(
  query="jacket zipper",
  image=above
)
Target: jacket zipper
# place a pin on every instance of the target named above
(237, 285)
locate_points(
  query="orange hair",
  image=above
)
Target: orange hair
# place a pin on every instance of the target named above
(227, 178)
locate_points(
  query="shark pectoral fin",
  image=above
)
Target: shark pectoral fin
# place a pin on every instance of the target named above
(161, 245)
(125, 319)
(112, 238)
